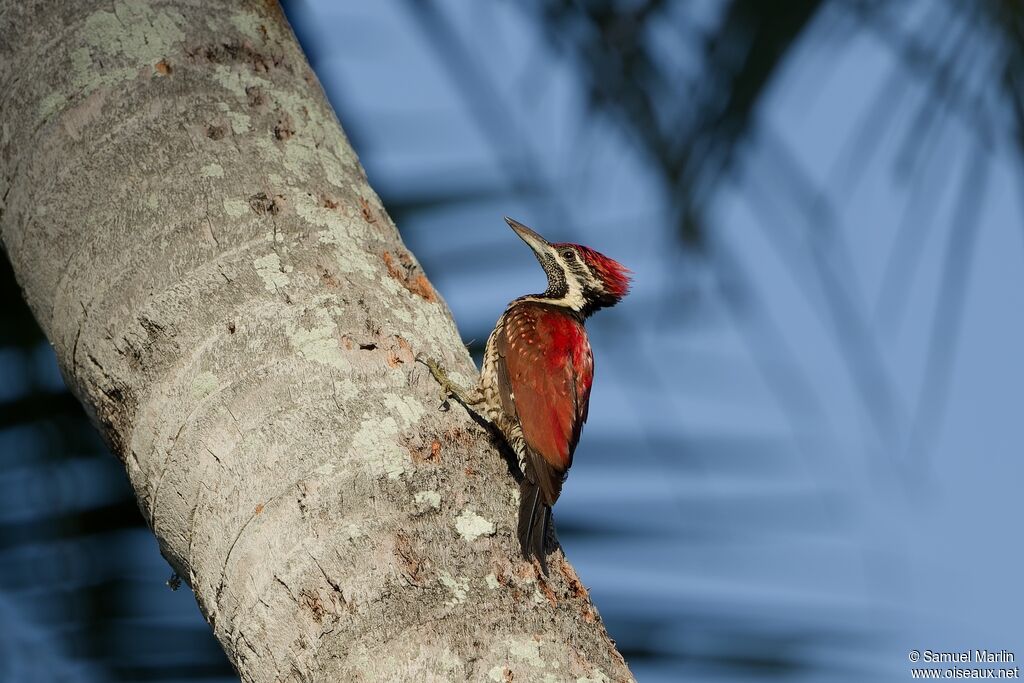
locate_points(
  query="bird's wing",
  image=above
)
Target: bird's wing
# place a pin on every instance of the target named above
(545, 355)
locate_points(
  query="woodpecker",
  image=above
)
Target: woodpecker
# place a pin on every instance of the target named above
(537, 372)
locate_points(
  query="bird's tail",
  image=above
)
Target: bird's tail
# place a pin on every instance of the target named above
(534, 520)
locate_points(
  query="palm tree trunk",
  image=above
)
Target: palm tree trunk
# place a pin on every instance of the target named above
(232, 305)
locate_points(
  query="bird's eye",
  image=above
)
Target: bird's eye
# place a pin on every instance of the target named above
(569, 254)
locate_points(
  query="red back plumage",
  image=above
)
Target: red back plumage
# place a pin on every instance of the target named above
(549, 369)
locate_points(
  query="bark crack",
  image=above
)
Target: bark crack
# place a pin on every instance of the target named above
(260, 510)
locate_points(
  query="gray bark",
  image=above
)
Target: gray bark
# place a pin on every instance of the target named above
(229, 300)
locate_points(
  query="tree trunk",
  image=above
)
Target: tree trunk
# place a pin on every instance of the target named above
(230, 302)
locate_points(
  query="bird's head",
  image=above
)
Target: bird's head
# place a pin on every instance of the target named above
(579, 278)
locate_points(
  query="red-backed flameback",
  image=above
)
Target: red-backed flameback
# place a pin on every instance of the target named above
(537, 371)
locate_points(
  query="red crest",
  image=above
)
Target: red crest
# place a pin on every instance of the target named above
(615, 276)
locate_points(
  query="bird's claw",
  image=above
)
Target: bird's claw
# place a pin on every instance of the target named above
(447, 388)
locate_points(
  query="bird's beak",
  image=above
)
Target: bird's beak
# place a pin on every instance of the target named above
(532, 239)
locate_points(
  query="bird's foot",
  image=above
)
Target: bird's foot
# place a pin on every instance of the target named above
(439, 374)
(449, 388)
